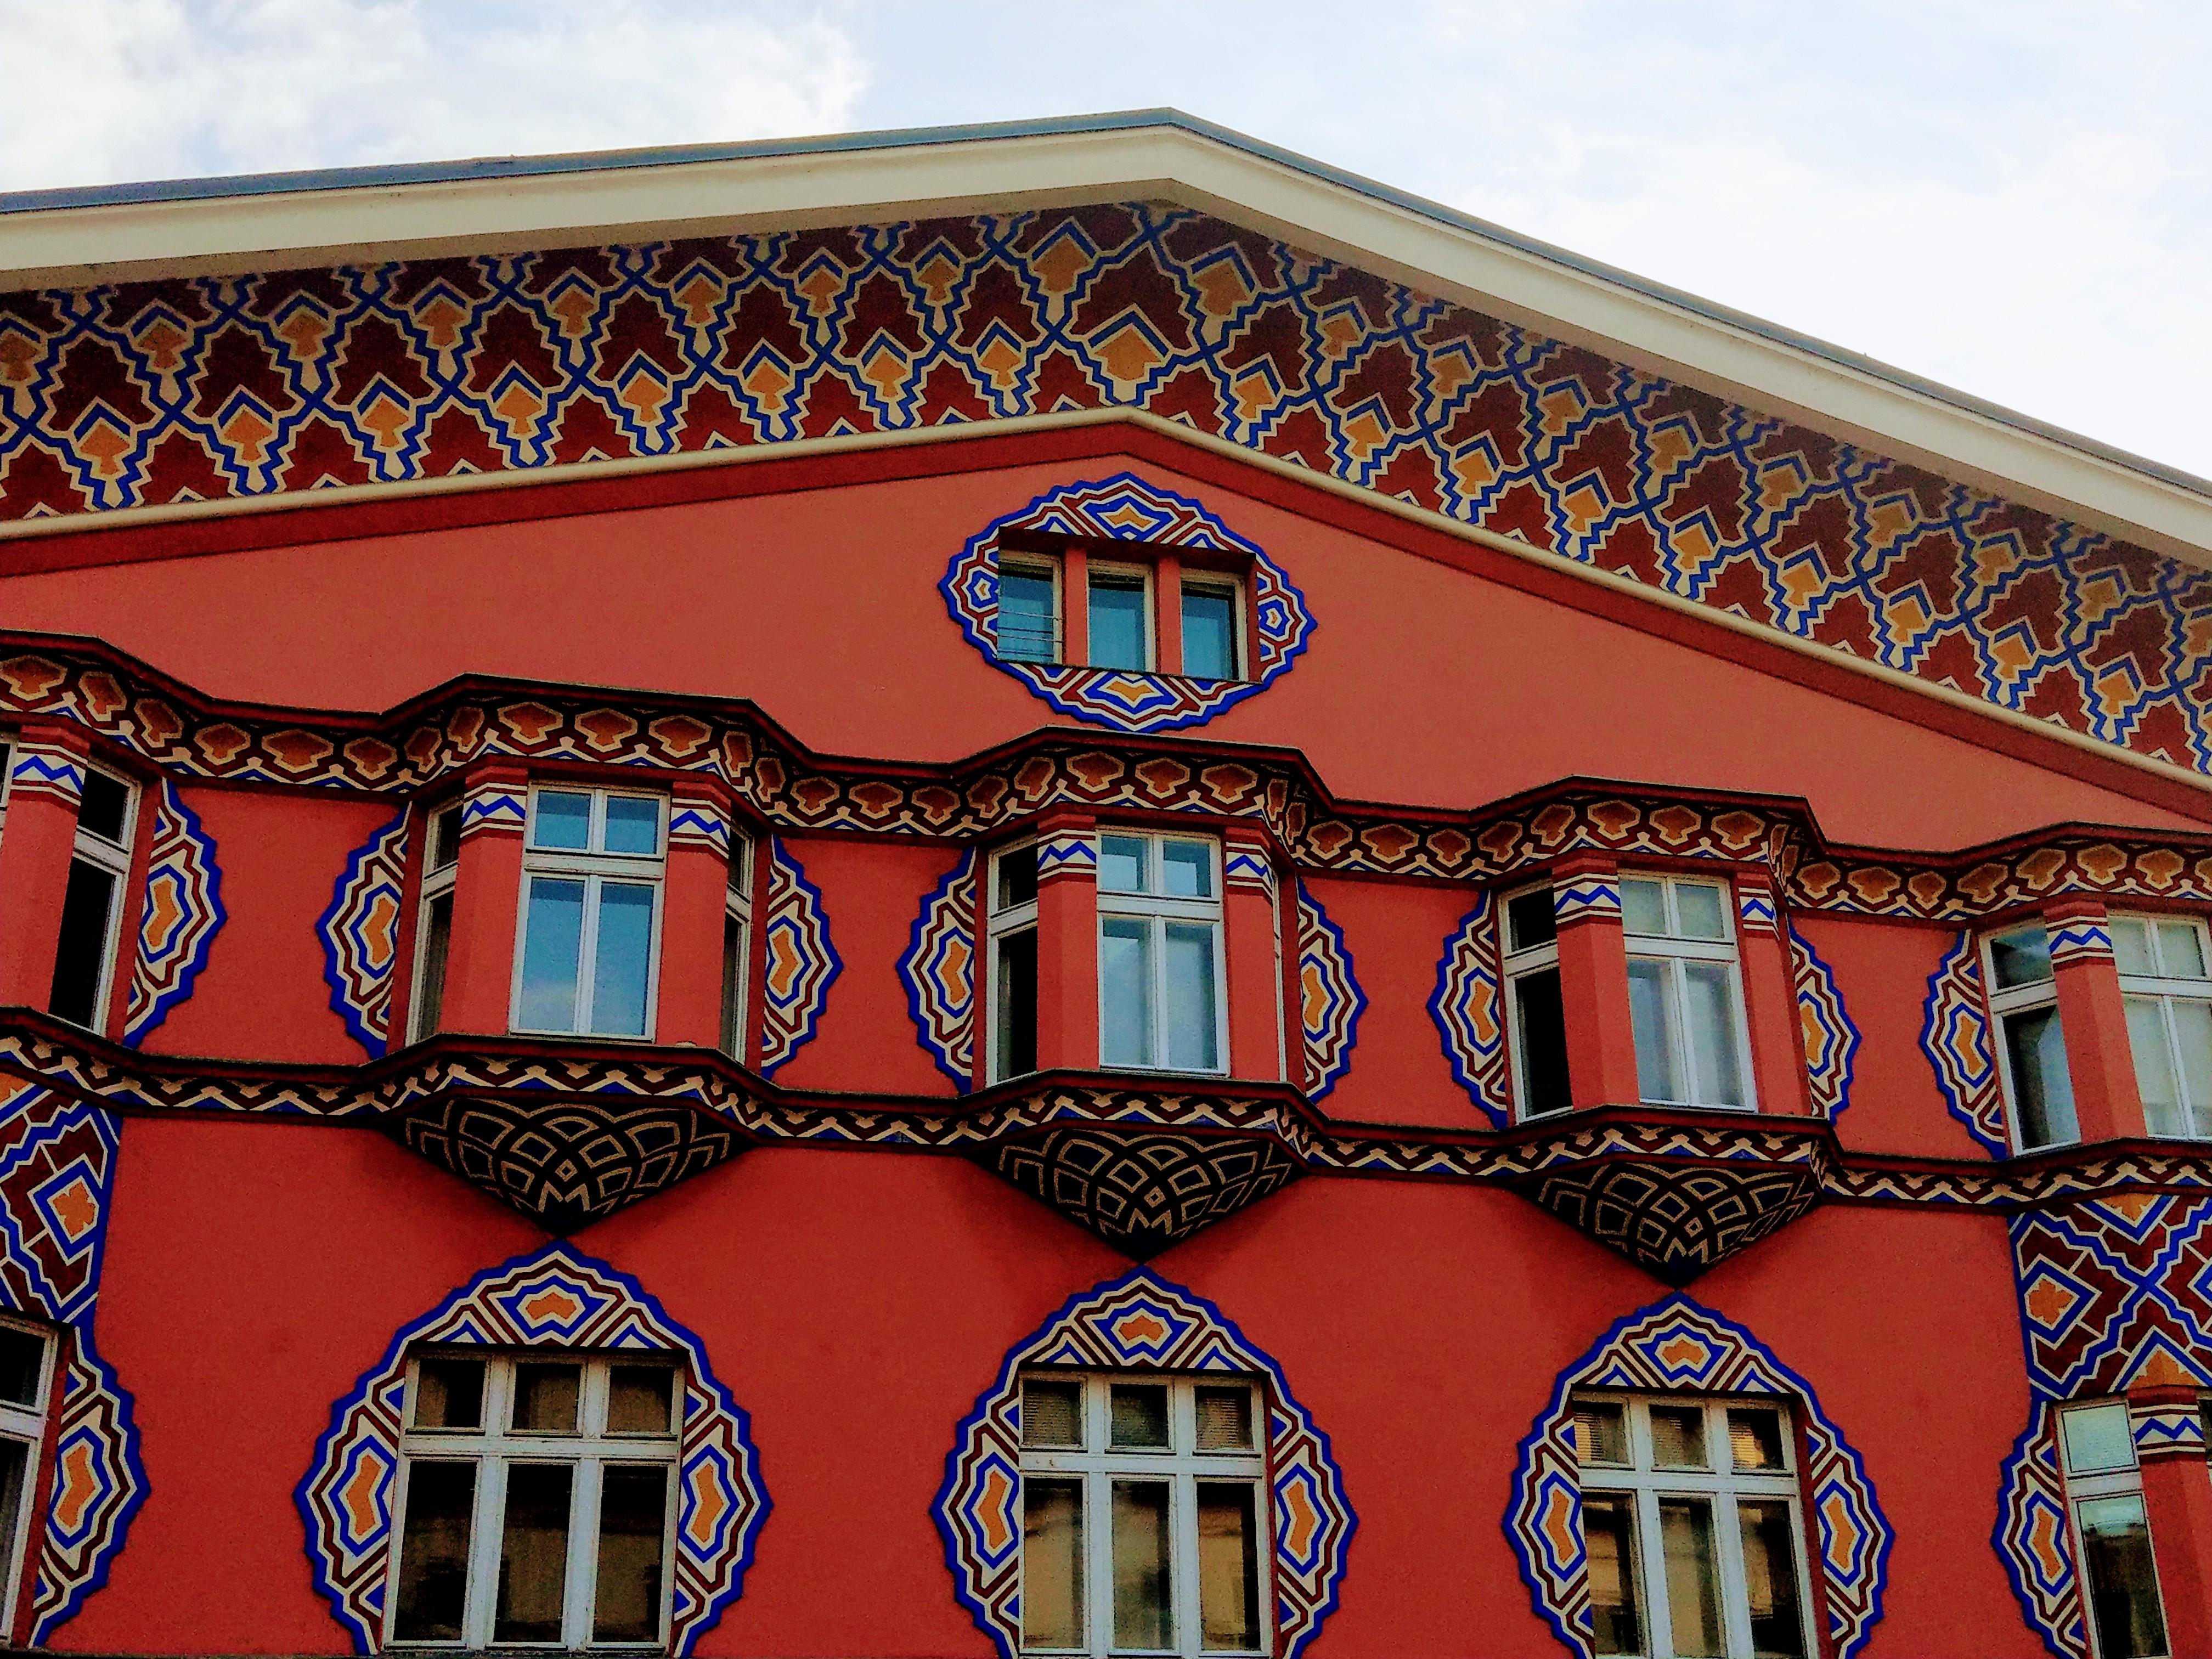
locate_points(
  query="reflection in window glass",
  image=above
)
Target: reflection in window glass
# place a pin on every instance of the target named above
(2042, 1090)
(552, 949)
(1656, 1076)
(533, 1553)
(633, 825)
(1686, 1529)
(1052, 1563)
(1125, 985)
(560, 820)
(2123, 1577)
(434, 1551)
(1029, 619)
(633, 1524)
(1609, 1548)
(1228, 1566)
(1209, 633)
(1137, 1416)
(624, 967)
(1119, 637)
(1142, 1616)
(1769, 1580)
(1193, 1019)
(2021, 957)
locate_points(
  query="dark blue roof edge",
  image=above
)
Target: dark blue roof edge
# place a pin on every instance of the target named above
(529, 167)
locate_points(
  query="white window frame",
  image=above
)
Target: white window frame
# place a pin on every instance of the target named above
(493, 1449)
(1183, 1466)
(1722, 1486)
(2164, 989)
(437, 883)
(115, 859)
(1049, 567)
(1148, 575)
(1517, 965)
(2012, 1000)
(1240, 650)
(1002, 922)
(1674, 952)
(2088, 1487)
(1157, 910)
(26, 1424)
(737, 907)
(595, 868)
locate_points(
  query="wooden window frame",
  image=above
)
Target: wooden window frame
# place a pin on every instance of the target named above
(1157, 910)
(595, 867)
(1674, 950)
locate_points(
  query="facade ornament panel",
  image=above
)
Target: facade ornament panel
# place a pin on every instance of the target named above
(1330, 1001)
(359, 934)
(940, 970)
(802, 964)
(182, 913)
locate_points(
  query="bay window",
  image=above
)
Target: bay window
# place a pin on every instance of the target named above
(1010, 911)
(1538, 1030)
(2111, 1531)
(2167, 984)
(1692, 1529)
(1161, 1001)
(535, 1501)
(1144, 1515)
(592, 866)
(25, 1382)
(1685, 991)
(434, 932)
(2030, 1042)
(92, 908)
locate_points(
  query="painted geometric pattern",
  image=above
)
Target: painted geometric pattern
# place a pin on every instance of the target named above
(938, 972)
(553, 1297)
(1675, 1221)
(1955, 1035)
(217, 387)
(1140, 1322)
(1141, 1193)
(1831, 1041)
(2033, 1540)
(184, 909)
(1678, 1346)
(360, 933)
(1468, 1006)
(1125, 507)
(802, 964)
(56, 1164)
(2115, 1293)
(1330, 1001)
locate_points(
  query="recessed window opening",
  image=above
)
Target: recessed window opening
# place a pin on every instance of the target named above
(2111, 1531)
(591, 873)
(2030, 1042)
(1120, 617)
(434, 932)
(26, 1381)
(1685, 996)
(1539, 1028)
(1143, 607)
(1028, 610)
(100, 862)
(1161, 1001)
(1011, 912)
(736, 937)
(2166, 979)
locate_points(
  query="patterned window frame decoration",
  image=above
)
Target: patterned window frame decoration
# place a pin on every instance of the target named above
(552, 1295)
(359, 932)
(1469, 1007)
(939, 970)
(802, 964)
(1678, 1346)
(2032, 1539)
(56, 1175)
(1831, 1040)
(1126, 508)
(181, 916)
(1140, 1322)
(1330, 1001)
(1955, 1035)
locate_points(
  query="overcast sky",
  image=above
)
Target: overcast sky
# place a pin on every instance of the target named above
(2010, 195)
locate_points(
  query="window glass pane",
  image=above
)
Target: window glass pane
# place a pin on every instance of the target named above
(1209, 633)
(1711, 995)
(633, 825)
(1655, 1077)
(1529, 920)
(560, 820)
(2181, 951)
(81, 953)
(1698, 908)
(533, 1553)
(552, 943)
(1609, 1550)
(1600, 1433)
(737, 963)
(1770, 1579)
(741, 863)
(2097, 1438)
(633, 1527)
(2154, 1076)
(2021, 958)
(434, 1551)
(1193, 1041)
(449, 1393)
(1052, 1564)
(1124, 992)
(2122, 1581)
(22, 1357)
(1186, 869)
(1540, 1025)
(1141, 1612)
(1017, 1003)
(15, 1469)
(1755, 1438)
(2037, 1048)
(545, 1398)
(640, 1399)
(1052, 1413)
(1123, 866)
(1678, 1437)
(1686, 1535)
(1028, 621)
(106, 804)
(1018, 877)
(2192, 1034)
(437, 940)
(1644, 907)
(1224, 1419)
(1138, 1417)
(2131, 947)
(446, 839)
(1117, 622)
(622, 967)
(1228, 1567)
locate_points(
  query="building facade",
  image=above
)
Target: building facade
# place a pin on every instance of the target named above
(1071, 892)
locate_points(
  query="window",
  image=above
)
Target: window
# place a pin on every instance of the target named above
(1128, 593)
(1120, 617)
(1160, 1001)
(1011, 912)
(1144, 1516)
(1691, 1525)
(1684, 997)
(535, 1493)
(2104, 1494)
(2024, 1000)
(1029, 610)
(1212, 630)
(591, 869)
(434, 932)
(2167, 986)
(26, 1368)
(737, 939)
(1532, 1004)
(92, 911)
